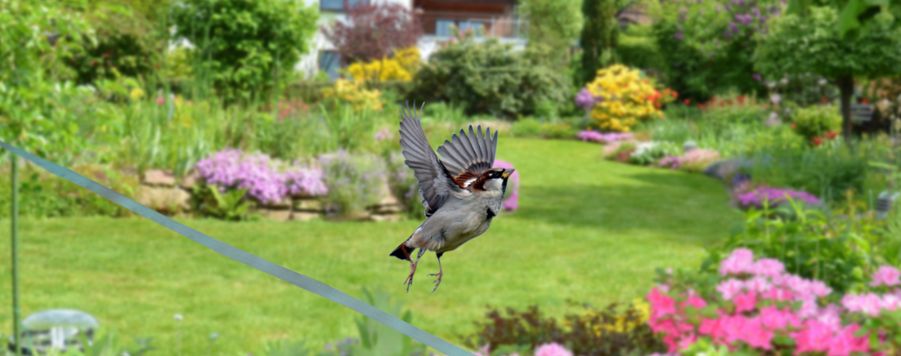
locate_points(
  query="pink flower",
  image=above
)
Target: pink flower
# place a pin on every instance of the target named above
(745, 302)
(775, 319)
(813, 337)
(695, 301)
(729, 288)
(712, 328)
(739, 262)
(661, 304)
(160, 100)
(886, 276)
(868, 303)
(552, 349)
(768, 267)
(845, 343)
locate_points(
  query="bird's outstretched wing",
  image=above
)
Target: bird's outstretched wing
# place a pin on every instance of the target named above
(435, 182)
(468, 155)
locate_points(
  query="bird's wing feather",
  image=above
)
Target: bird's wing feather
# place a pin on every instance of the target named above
(435, 183)
(469, 154)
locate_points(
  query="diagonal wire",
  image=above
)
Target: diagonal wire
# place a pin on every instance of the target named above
(244, 257)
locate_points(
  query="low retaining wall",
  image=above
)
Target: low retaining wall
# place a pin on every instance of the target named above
(163, 192)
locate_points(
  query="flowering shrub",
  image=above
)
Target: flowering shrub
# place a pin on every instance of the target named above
(817, 123)
(354, 94)
(695, 160)
(355, 182)
(603, 138)
(511, 203)
(597, 331)
(620, 97)
(756, 197)
(756, 306)
(401, 67)
(266, 180)
(646, 153)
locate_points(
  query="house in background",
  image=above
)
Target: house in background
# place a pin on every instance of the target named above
(487, 18)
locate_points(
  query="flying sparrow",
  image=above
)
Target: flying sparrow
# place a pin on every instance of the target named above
(461, 191)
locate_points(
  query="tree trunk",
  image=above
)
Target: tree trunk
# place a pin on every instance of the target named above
(846, 86)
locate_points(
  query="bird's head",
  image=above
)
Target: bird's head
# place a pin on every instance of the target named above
(495, 179)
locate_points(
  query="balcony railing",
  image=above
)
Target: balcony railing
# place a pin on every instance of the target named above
(443, 25)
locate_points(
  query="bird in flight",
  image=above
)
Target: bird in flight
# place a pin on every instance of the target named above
(461, 191)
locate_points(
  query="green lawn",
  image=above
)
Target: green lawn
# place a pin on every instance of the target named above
(588, 231)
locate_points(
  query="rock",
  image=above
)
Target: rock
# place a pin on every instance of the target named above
(308, 205)
(276, 214)
(190, 181)
(386, 217)
(284, 204)
(386, 208)
(158, 178)
(725, 170)
(304, 216)
(163, 199)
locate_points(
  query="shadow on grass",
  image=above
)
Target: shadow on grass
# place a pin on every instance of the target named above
(681, 205)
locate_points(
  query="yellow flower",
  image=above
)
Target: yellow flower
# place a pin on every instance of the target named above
(626, 98)
(400, 67)
(136, 94)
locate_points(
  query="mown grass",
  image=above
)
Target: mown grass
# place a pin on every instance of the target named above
(588, 231)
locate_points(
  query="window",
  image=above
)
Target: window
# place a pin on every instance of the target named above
(443, 27)
(329, 62)
(338, 5)
(476, 26)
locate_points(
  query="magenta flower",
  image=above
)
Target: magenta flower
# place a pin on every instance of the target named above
(886, 276)
(552, 349)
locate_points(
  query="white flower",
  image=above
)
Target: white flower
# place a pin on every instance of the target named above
(178, 317)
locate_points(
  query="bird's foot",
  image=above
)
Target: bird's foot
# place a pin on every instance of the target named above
(409, 281)
(437, 280)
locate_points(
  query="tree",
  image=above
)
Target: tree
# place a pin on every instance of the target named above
(598, 39)
(814, 44)
(246, 46)
(553, 25)
(373, 31)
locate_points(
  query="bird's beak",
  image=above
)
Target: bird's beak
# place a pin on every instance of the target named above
(507, 173)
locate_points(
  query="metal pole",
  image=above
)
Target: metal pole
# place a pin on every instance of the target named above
(13, 218)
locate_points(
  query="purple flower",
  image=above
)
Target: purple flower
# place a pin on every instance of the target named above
(604, 138)
(757, 77)
(670, 162)
(679, 36)
(757, 196)
(259, 175)
(512, 201)
(585, 99)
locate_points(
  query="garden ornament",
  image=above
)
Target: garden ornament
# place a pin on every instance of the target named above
(461, 191)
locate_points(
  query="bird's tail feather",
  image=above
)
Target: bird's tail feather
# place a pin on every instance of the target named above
(403, 252)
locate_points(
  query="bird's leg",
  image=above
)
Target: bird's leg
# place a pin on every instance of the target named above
(409, 281)
(439, 274)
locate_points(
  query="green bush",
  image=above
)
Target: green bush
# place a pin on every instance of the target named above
(35, 40)
(489, 78)
(404, 185)
(842, 249)
(248, 48)
(597, 331)
(828, 171)
(529, 127)
(129, 39)
(45, 195)
(707, 51)
(354, 182)
(817, 121)
(637, 48)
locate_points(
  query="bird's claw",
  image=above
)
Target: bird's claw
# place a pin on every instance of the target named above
(409, 281)
(437, 280)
